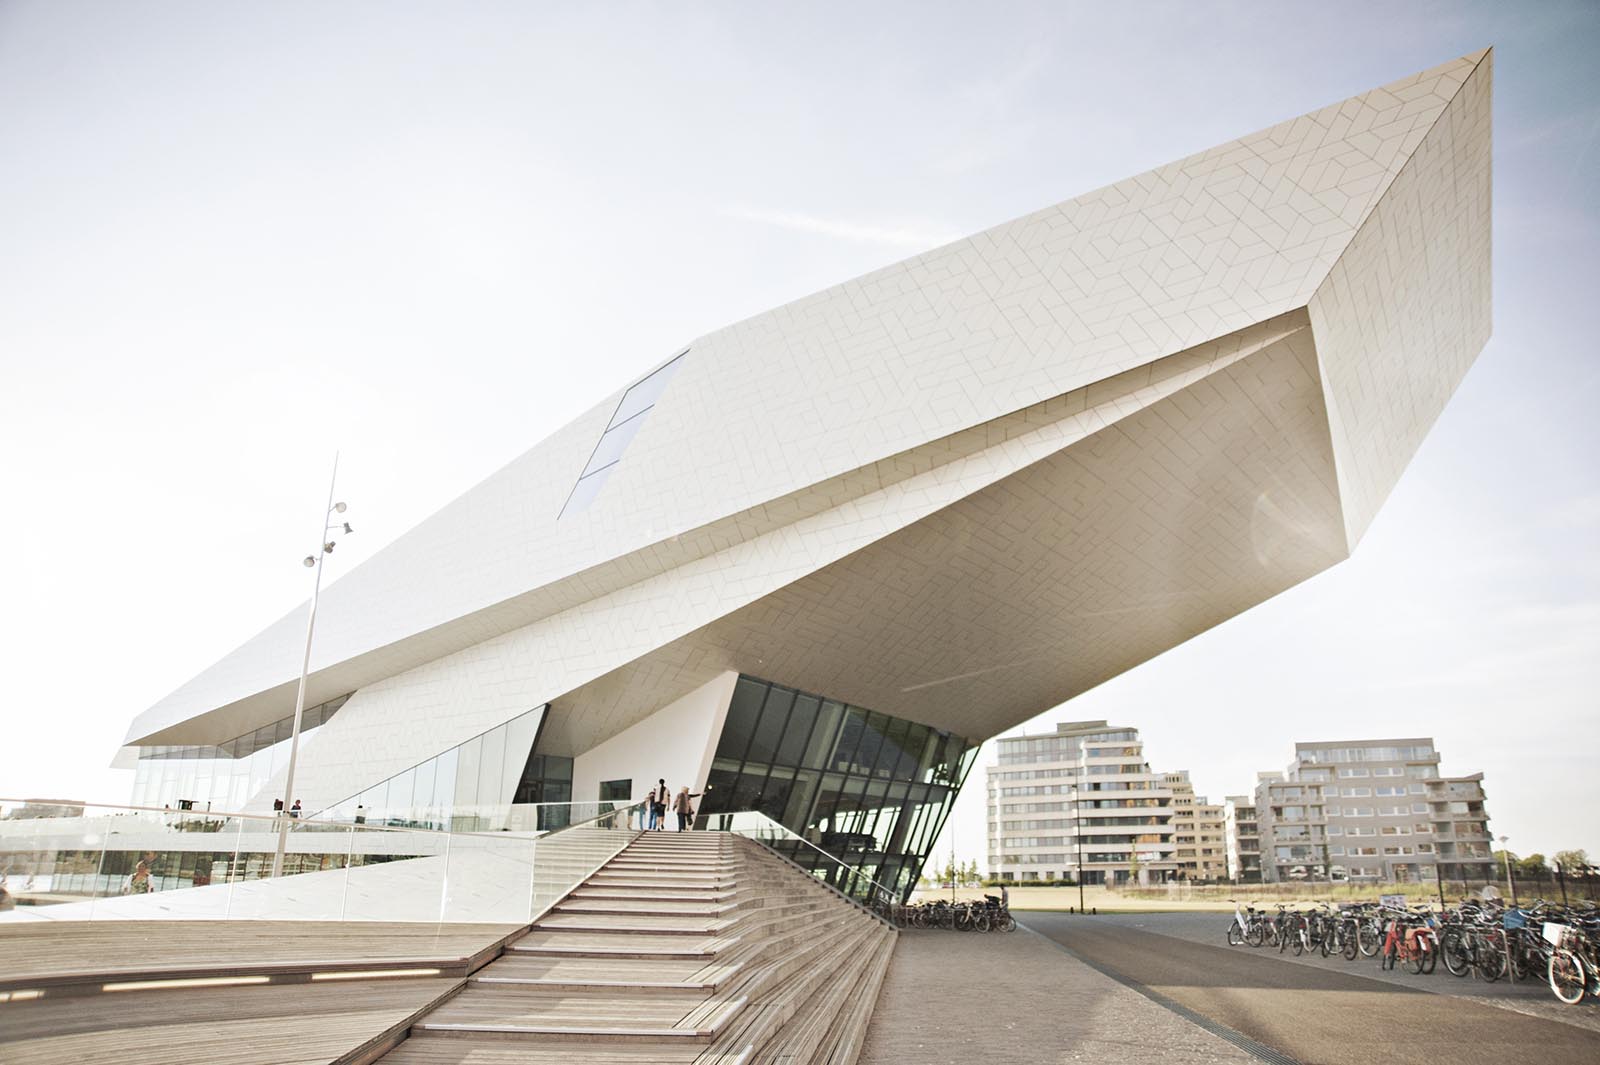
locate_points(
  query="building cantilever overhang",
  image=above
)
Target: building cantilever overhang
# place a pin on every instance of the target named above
(962, 488)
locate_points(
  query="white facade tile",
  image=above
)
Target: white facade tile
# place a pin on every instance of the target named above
(961, 488)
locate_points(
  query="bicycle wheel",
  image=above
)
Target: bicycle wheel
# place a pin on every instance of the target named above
(1490, 958)
(1005, 923)
(1256, 935)
(1369, 939)
(1350, 948)
(1325, 941)
(1426, 956)
(1235, 937)
(1457, 954)
(1567, 977)
(981, 923)
(1521, 967)
(1297, 940)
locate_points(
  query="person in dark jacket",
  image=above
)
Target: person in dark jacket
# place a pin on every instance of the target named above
(658, 805)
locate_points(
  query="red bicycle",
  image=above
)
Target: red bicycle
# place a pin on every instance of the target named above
(1410, 938)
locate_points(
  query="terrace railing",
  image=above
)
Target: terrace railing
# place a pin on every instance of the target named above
(849, 881)
(99, 862)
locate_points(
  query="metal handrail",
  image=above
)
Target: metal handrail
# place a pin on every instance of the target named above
(568, 828)
(784, 831)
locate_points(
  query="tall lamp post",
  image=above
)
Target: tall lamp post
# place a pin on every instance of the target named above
(325, 548)
(1077, 838)
(1511, 885)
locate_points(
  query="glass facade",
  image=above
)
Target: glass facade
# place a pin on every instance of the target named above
(223, 777)
(870, 789)
(470, 787)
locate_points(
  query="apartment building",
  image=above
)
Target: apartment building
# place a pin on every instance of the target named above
(1244, 839)
(1198, 833)
(1371, 810)
(1081, 797)
(1211, 840)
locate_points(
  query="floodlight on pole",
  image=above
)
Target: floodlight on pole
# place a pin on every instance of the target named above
(1511, 885)
(311, 562)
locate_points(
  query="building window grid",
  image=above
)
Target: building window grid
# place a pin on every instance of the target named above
(868, 754)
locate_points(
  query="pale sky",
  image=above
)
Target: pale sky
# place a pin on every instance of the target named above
(236, 237)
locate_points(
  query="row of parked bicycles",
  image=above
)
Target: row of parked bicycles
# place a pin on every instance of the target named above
(990, 915)
(1544, 941)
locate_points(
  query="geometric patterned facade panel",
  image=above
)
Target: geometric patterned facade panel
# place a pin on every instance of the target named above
(1406, 309)
(958, 490)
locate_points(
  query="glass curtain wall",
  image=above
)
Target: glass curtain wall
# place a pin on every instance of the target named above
(870, 789)
(468, 788)
(226, 776)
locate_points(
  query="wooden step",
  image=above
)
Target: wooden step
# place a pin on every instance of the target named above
(672, 861)
(644, 894)
(424, 1048)
(769, 1028)
(534, 1012)
(599, 945)
(663, 878)
(631, 924)
(674, 908)
(674, 951)
(568, 969)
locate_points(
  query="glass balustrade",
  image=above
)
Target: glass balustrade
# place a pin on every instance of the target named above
(853, 882)
(91, 862)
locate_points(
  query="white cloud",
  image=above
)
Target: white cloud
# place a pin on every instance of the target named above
(915, 236)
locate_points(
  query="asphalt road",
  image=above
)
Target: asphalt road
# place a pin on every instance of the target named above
(1315, 1014)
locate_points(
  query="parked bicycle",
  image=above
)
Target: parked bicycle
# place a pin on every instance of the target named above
(989, 915)
(1480, 938)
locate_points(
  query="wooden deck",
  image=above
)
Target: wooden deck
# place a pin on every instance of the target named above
(58, 954)
(262, 1025)
(702, 948)
(64, 1000)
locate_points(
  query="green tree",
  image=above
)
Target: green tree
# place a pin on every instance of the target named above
(1573, 860)
(1532, 865)
(972, 872)
(949, 871)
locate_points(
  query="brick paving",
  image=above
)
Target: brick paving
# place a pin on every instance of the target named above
(959, 998)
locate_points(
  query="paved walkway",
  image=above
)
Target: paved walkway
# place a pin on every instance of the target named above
(1323, 1014)
(959, 998)
(1531, 997)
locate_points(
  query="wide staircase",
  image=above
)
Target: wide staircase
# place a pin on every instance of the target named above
(699, 947)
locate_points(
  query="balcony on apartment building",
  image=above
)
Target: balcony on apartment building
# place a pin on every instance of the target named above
(1456, 811)
(1278, 794)
(1442, 791)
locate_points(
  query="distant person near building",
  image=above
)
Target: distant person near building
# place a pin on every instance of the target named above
(658, 805)
(684, 806)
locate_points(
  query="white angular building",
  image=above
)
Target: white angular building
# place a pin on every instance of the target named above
(813, 558)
